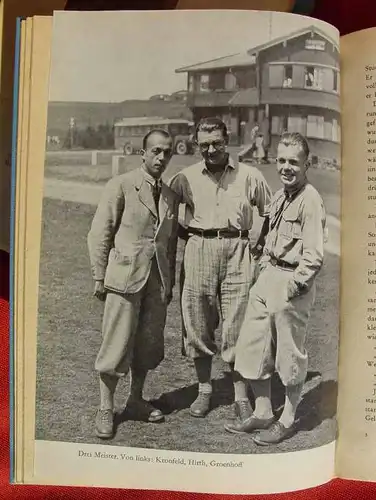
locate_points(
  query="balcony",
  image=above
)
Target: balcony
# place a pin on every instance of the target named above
(223, 98)
(301, 97)
(301, 84)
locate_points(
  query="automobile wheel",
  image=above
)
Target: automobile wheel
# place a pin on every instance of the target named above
(181, 148)
(128, 149)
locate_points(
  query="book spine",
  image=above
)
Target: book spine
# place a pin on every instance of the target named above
(11, 252)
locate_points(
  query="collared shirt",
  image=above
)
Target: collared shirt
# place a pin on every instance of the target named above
(226, 203)
(297, 231)
(150, 179)
(155, 186)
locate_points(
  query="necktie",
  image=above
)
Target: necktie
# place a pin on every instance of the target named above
(156, 194)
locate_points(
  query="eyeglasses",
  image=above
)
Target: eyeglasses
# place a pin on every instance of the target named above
(204, 146)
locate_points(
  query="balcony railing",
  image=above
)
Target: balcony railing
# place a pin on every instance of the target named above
(222, 98)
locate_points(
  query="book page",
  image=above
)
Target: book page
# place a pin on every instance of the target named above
(356, 453)
(19, 239)
(9, 11)
(30, 153)
(273, 5)
(96, 85)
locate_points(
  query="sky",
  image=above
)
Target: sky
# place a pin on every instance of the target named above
(113, 56)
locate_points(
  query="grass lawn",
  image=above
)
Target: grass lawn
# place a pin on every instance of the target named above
(69, 338)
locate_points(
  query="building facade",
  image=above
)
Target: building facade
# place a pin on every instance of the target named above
(290, 83)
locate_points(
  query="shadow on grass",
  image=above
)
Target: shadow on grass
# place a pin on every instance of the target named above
(317, 405)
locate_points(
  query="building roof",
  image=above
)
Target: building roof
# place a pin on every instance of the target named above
(138, 121)
(291, 36)
(240, 59)
(248, 57)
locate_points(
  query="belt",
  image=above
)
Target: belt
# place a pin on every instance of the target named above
(218, 233)
(281, 263)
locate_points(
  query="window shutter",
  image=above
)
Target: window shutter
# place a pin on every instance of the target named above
(318, 78)
(276, 75)
(311, 126)
(321, 122)
(328, 80)
(276, 125)
(298, 76)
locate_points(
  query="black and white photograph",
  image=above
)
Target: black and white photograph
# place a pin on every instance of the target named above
(190, 255)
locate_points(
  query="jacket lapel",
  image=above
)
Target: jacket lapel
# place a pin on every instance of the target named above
(146, 196)
(163, 204)
(163, 201)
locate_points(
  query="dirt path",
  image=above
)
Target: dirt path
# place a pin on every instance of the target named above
(89, 193)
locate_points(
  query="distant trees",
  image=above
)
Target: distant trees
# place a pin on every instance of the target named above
(101, 137)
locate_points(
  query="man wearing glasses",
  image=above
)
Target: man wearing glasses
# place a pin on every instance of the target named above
(219, 197)
(273, 334)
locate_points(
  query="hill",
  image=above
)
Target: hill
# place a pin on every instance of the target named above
(97, 113)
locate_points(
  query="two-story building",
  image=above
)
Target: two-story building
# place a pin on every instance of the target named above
(290, 83)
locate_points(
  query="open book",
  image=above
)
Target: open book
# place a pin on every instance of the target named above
(263, 128)
(9, 11)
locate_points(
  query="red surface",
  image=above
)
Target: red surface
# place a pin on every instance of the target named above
(347, 16)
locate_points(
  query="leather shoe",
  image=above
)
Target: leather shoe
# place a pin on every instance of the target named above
(201, 406)
(145, 411)
(243, 409)
(274, 435)
(104, 424)
(248, 425)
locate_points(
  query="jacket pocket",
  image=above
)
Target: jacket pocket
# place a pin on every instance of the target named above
(118, 271)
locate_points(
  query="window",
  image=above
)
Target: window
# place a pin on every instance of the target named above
(328, 130)
(335, 80)
(336, 131)
(204, 83)
(276, 72)
(174, 129)
(287, 80)
(217, 81)
(315, 126)
(230, 81)
(276, 125)
(246, 79)
(279, 125)
(299, 76)
(191, 82)
(297, 124)
(327, 80)
(178, 129)
(314, 77)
